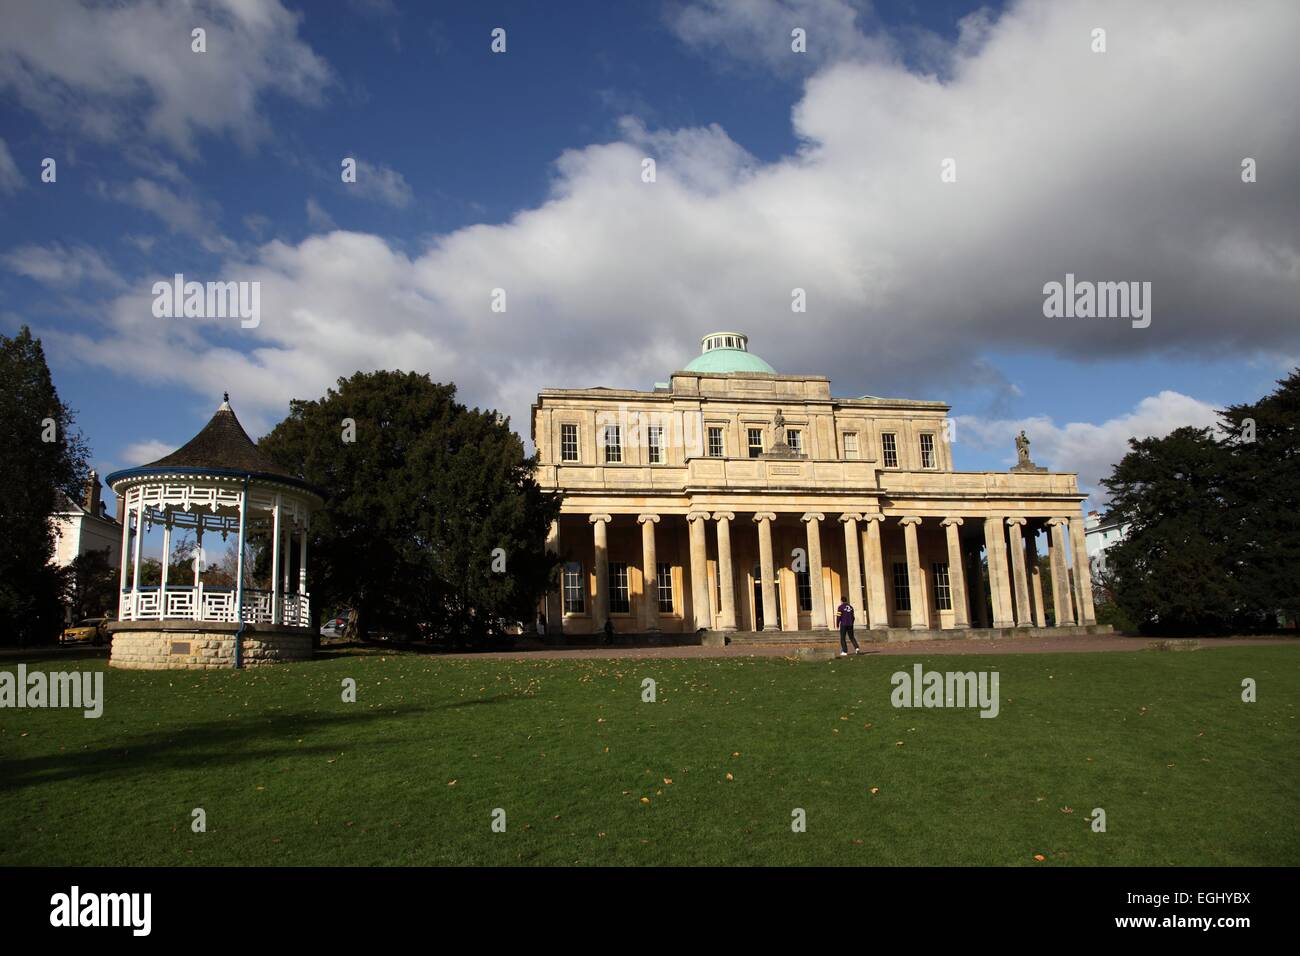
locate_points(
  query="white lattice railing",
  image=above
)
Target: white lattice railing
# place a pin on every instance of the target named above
(185, 603)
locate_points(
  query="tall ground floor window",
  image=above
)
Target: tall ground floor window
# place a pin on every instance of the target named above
(574, 592)
(664, 582)
(902, 587)
(942, 588)
(619, 600)
(803, 581)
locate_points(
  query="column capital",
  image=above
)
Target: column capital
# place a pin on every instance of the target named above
(813, 516)
(596, 519)
(762, 516)
(850, 516)
(642, 519)
(724, 516)
(697, 516)
(910, 519)
(1015, 522)
(1058, 522)
(952, 522)
(873, 516)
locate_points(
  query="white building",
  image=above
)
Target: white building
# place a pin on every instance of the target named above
(1101, 534)
(82, 526)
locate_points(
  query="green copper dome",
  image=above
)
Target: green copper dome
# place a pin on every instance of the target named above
(727, 352)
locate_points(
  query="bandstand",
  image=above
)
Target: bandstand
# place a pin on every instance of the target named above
(218, 486)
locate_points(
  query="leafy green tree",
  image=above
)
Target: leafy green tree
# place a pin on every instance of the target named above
(1178, 568)
(1263, 494)
(434, 522)
(43, 455)
(90, 585)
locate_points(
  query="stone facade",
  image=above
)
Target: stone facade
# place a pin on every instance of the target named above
(165, 646)
(682, 510)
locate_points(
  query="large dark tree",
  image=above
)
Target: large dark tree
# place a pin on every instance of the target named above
(90, 586)
(42, 456)
(418, 504)
(1263, 494)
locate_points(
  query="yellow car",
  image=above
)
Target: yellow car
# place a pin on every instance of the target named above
(92, 630)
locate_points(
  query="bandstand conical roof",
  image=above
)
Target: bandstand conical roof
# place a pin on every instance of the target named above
(221, 447)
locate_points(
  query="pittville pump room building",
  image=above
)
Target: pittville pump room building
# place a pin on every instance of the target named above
(736, 498)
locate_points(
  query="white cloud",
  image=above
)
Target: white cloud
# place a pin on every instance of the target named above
(59, 265)
(11, 180)
(144, 452)
(381, 183)
(1091, 450)
(317, 217)
(181, 214)
(1116, 166)
(122, 70)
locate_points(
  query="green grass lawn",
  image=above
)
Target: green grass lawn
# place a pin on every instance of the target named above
(410, 774)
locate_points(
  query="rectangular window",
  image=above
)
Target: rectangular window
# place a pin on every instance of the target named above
(902, 588)
(794, 438)
(665, 588)
(574, 592)
(889, 449)
(927, 451)
(568, 443)
(655, 444)
(619, 600)
(942, 591)
(803, 582)
(851, 445)
(715, 443)
(613, 442)
(755, 442)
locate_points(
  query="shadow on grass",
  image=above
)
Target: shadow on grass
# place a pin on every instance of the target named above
(196, 746)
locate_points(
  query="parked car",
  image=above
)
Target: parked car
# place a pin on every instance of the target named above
(91, 630)
(334, 627)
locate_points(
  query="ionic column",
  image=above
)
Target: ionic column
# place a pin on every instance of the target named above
(1060, 572)
(814, 521)
(956, 573)
(1035, 579)
(600, 541)
(915, 585)
(555, 598)
(999, 586)
(1024, 614)
(726, 580)
(650, 576)
(877, 609)
(699, 570)
(1082, 571)
(853, 562)
(767, 567)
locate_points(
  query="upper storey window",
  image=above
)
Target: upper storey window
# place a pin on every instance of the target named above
(655, 444)
(715, 442)
(927, 451)
(794, 438)
(889, 449)
(568, 443)
(851, 445)
(755, 442)
(612, 439)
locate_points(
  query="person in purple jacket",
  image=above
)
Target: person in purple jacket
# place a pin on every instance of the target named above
(844, 618)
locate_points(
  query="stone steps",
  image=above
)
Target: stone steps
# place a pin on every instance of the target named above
(895, 634)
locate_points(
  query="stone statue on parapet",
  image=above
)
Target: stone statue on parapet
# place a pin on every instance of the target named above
(1023, 462)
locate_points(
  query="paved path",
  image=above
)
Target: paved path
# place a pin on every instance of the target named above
(1016, 645)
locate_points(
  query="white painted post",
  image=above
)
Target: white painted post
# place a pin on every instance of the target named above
(275, 561)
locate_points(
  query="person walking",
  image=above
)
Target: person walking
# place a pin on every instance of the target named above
(844, 618)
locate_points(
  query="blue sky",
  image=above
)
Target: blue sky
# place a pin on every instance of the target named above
(520, 170)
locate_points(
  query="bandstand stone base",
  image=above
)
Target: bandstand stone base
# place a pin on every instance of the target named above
(199, 645)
